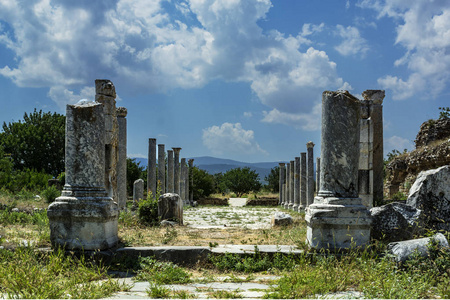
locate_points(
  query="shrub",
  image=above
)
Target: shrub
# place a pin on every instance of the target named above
(148, 210)
(161, 272)
(51, 193)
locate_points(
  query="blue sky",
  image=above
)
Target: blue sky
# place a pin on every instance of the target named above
(238, 79)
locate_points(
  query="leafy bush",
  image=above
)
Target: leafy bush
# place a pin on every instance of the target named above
(148, 210)
(51, 193)
(161, 272)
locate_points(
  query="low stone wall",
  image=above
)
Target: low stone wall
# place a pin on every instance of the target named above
(263, 202)
(213, 201)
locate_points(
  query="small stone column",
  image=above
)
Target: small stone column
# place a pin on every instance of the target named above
(122, 164)
(303, 202)
(310, 174)
(191, 179)
(170, 171)
(84, 216)
(151, 168)
(138, 191)
(105, 93)
(288, 184)
(282, 180)
(162, 168)
(296, 205)
(183, 180)
(176, 170)
(337, 218)
(291, 184)
(317, 174)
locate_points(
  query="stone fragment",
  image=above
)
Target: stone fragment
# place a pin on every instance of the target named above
(404, 250)
(138, 190)
(170, 207)
(431, 194)
(394, 222)
(281, 219)
(166, 223)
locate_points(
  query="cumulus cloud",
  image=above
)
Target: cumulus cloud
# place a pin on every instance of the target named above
(352, 42)
(424, 32)
(397, 143)
(306, 121)
(231, 138)
(150, 47)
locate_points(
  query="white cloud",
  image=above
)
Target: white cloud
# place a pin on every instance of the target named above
(141, 45)
(397, 143)
(310, 121)
(424, 32)
(352, 42)
(231, 138)
(248, 114)
(62, 96)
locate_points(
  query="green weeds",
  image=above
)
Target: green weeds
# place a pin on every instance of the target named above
(161, 272)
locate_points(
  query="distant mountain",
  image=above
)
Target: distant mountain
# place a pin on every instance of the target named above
(214, 165)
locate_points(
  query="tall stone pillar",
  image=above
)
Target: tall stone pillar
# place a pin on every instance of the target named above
(162, 168)
(282, 180)
(191, 179)
(291, 184)
(317, 174)
(284, 193)
(303, 202)
(296, 205)
(151, 168)
(337, 218)
(84, 216)
(176, 170)
(105, 93)
(370, 177)
(122, 164)
(310, 174)
(183, 180)
(288, 184)
(186, 183)
(170, 185)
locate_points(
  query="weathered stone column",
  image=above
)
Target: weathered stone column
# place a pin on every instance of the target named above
(105, 93)
(296, 205)
(84, 216)
(186, 183)
(176, 170)
(151, 167)
(303, 202)
(162, 168)
(122, 164)
(370, 177)
(284, 193)
(138, 191)
(183, 180)
(191, 179)
(169, 171)
(282, 180)
(288, 183)
(291, 184)
(337, 218)
(310, 174)
(317, 174)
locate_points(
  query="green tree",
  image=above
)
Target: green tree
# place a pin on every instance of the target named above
(242, 180)
(219, 183)
(36, 143)
(134, 172)
(203, 183)
(273, 179)
(444, 113)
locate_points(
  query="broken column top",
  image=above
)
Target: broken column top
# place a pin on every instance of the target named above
(376, 96)
(121, 112)
(282, 164)
(310, 144)
(105, 87)
(176, 149)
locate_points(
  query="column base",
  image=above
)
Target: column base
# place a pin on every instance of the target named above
(337, 223)
(83, 223)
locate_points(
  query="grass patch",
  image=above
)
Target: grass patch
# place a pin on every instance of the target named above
(224, 294)
(161, 272)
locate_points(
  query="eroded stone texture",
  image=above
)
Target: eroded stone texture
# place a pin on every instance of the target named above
(337, 219)
(303, 203)
(170, 207)
(317, 173)
(170, 184)
(138, 190)
(310, 174)
(282, 180)
(281, 219)
(105, 93)
(162, 168)
(431, 194)
(176, 170)
(151, 168)
(394, 222)
(296, 184)
(405, 250)
(84, 217)
(122, 164)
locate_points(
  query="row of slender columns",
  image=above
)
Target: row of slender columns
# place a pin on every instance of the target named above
(297, 181)
(178, 174)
